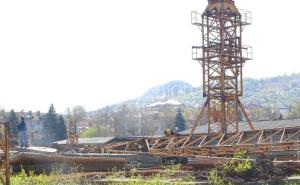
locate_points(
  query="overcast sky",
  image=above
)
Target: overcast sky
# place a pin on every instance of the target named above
(99, 52)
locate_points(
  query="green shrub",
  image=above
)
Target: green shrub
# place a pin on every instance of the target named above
(54, 178)
(240, 165)
(215, 179)
(93, 132)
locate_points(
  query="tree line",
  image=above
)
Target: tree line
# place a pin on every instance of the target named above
(51, 127)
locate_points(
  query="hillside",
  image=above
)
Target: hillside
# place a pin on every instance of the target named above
(171, 90)
(279, 90)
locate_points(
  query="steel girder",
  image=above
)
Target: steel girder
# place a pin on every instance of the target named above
(222, 57)
(212, 144)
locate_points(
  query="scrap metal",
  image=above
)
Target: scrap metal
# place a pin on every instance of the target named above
(72, 136)
(4, 158)
(222, 57)
(259, 142)
(39, 162)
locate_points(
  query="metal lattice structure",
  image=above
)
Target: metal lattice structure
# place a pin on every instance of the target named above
(259, 142)
(72, 136)
(222, 57)
(4, 156)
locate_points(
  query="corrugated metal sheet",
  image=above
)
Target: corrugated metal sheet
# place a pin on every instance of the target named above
(38, 162)
(88, 141)
(260, 125)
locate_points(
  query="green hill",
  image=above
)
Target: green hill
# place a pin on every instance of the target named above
(279, 91)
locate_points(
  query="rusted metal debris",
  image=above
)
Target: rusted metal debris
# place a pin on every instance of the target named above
(4, 159)
(259, 142)
(39, 162)
(72, 136)
(222, 57)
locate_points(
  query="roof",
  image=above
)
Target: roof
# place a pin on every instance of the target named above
(35, 149)
(260, 125)
(88, 141)
(169, 102)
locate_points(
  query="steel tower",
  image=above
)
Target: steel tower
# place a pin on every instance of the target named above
(222, 57)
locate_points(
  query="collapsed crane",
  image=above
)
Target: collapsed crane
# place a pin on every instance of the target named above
(222, 57)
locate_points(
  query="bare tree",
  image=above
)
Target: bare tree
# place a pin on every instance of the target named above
(76, 114)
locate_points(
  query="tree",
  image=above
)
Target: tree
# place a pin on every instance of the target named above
(50, 125)
(54, 126)
(13, 123)
(179, 121)
(77, 114)
(294, 112)
(61, 130)
(167, 117)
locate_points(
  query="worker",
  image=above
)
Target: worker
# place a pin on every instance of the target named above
(169, 132)
(23, 133)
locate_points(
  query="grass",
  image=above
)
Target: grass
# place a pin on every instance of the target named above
(170, 175)
(54, 178)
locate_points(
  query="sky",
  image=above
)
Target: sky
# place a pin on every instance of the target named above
(96, 53)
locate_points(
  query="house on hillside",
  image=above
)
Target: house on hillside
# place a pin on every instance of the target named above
(172, 104)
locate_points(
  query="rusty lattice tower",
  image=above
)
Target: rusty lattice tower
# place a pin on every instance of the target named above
(222, 57)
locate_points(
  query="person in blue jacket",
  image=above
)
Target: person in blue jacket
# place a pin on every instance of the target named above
(23, 132)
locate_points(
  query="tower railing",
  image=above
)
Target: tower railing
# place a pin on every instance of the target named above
(247, 52)
(197, 52)
(196, 18)
(246, 17)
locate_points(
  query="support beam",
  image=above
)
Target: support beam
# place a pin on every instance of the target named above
(245, 115)
(5, 147)
(198, 118)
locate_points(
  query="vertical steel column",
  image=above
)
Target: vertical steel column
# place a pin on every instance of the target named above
(222, 61)
(73, 136)
(5, 147)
